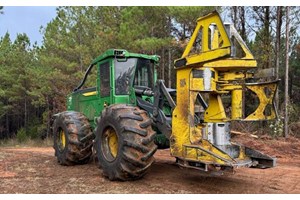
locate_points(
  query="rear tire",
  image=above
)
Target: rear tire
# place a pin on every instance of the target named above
(69, 128)
(124, 142)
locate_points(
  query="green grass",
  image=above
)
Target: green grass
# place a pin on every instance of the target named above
(27, 143)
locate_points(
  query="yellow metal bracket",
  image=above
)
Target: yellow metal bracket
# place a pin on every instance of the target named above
(209, 49)
(215, 111)
(265, 92)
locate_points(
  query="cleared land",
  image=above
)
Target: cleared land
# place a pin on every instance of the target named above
(35, 170)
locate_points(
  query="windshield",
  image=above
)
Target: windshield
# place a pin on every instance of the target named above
(124, 71)
(138, 68)
(144, 73)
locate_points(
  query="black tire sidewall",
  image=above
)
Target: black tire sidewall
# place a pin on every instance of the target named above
(135, 142)
(109, 121)
(59, 124)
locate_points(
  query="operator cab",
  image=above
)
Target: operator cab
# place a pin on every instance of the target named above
(112, 78)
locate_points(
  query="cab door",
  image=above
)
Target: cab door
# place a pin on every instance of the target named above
(96, 92)
(104, 84)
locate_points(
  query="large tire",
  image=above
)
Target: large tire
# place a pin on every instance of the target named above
(124, 142)
(69, 127)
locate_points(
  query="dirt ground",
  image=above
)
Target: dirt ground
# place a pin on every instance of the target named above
(35, 170)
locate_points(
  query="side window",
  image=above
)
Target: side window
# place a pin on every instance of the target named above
(104, 80)
(91, 80)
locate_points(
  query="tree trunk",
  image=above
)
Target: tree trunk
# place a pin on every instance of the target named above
(243, 23)
(48, 117)
(267, 36)
(25, 114)
(169, 54)
(163, 65)
(234, 16)
(169, 67)
(7, 125)
(286, 94)
(278, 33)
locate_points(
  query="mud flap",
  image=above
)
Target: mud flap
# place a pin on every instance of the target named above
(259, 159)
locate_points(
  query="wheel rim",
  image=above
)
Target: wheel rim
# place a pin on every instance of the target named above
(110, 144)
(61, 140)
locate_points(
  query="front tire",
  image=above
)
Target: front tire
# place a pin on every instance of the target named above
(69, 128)
(124, 142)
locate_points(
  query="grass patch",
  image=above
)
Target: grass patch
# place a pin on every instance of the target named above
(26, 143)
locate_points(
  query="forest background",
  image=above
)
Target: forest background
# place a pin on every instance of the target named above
(35, 79)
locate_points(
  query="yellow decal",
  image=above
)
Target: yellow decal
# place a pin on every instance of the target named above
(89, 93)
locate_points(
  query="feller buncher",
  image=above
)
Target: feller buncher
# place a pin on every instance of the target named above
(130, 114)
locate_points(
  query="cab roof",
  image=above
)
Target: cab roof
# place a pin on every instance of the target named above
(122, 53)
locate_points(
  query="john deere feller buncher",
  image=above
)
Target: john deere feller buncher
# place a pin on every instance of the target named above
(129, 114)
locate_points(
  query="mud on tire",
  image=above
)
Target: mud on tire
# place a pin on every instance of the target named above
(130, 154)
(68, 149)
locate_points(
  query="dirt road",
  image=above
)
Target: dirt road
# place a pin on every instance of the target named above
(35, 170)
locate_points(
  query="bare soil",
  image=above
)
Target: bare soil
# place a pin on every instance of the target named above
(35, 170)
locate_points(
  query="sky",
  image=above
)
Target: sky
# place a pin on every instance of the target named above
(26, 19)
(29, 19)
